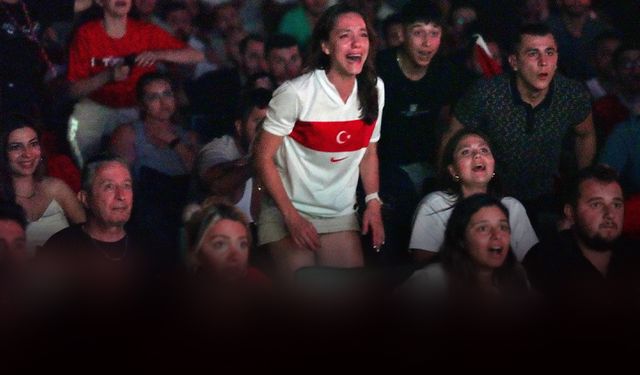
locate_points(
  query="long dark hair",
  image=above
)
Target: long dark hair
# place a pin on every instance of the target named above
(456, 259)
(447, 182)
(367, 79)
(11, 122)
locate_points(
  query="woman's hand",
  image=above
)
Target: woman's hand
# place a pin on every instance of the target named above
(372, 221)
(302, 232)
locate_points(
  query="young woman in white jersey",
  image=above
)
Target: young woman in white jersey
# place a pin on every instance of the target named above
(320, 134)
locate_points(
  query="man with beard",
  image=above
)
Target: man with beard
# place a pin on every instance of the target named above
(590, 263)
(223, 166)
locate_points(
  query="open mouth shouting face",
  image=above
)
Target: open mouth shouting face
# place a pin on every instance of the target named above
(422, 42)
(348, 45)
(487, 237)
(473, 163)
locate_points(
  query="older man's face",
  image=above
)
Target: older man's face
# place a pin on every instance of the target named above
(111, 197)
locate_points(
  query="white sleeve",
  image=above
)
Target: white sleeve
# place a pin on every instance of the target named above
(430, 223)
(523, 237)
(375, 137)
(213, 153)
(284, 110)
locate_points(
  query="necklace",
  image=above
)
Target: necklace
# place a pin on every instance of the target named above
(30, 196)
(98, 246)
(30, 32)
(108, 255)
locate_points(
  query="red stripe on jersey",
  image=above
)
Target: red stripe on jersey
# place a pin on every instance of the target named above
(333, 136)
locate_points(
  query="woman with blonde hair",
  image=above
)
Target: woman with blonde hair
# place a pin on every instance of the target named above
(219, 242)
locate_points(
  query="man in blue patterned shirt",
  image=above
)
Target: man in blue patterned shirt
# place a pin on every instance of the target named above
(530, 114)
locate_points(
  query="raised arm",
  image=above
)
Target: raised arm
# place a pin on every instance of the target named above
(186, 55)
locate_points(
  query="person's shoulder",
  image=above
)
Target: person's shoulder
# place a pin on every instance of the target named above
(491, 86)
(91, 26)
(217, 144)
(438, 200)
(512, 203)
(551, 251)
(54, 186)
(294, 13)
(568, 90)
(569, 84)
(139, 25)
(63, 239)
(306, 81)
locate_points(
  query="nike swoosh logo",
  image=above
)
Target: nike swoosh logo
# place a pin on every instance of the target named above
(334, 160)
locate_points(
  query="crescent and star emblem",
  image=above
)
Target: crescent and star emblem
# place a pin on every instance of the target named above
(343, 137)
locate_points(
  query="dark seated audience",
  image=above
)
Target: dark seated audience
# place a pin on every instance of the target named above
(590, 264)
(13, 240)
(624, 104)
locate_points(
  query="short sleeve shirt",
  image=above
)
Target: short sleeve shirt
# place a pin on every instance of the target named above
(324, 140)
(527, 142)
(411, 133)
(92, 49)
(434, 211)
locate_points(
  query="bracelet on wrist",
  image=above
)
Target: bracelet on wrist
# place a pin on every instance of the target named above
(371, 197)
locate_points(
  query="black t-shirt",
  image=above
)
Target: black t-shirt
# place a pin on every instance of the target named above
(559, 270)
(410, 131)
(92, 262)
(21, 64)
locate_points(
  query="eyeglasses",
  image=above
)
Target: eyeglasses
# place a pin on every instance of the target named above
(158, 95)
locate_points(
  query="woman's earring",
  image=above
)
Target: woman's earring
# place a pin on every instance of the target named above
(493, 175)
(456, 178)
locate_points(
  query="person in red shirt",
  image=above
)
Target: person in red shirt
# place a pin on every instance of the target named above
(106, 58)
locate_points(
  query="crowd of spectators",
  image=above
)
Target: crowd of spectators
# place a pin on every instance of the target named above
(149, 148)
